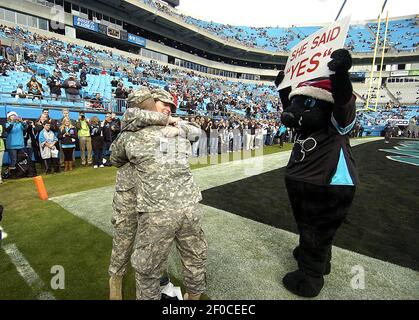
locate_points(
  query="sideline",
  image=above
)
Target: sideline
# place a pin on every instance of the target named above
(27, 272)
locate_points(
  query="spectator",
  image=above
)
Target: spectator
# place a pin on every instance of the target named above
(39, 123)
(97, 102)
(85, 140)
(114, 83)
(107, 137)
(96, 133)
(15, 128)
(19, 92)
(115, 126)
(67, 137)
(120, 96)
(19, 67)
(251, 135)
(65, 114)
(195, 144)
(281, 133)
(55, 84)
(83, 77)
(34, 88)
(213, 134)
(203, 139)
(48, 143)
(1, 150)
(31, 140)
(3, 68)
(72, 88)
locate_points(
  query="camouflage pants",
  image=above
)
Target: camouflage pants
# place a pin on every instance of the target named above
(124, 220)
(156, 233)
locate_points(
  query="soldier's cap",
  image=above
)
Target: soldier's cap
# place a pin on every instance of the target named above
(137, 97)
(164, 96)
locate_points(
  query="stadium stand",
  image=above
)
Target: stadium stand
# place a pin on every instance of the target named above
(198, 95)
(402, 33)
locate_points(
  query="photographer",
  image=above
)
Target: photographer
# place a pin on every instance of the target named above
(15, 127)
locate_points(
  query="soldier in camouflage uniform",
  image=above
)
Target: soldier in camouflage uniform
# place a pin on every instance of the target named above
(167, 202)
(124, 217)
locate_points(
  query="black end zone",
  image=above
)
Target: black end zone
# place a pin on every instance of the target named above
(383, 220)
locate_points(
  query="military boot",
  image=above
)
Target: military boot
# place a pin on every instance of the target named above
(191, 296)
(115, 288)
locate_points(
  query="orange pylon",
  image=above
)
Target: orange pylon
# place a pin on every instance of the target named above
(40, 186)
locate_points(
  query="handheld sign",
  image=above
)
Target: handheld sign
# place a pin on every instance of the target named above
(308, 59)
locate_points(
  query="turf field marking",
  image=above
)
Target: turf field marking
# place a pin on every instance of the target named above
(405, 160)
(27, 272)
(407, 152)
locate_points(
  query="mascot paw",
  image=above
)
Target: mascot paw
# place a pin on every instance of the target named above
(296, 254)
(303, 285)
(279, 78)
(341, 61)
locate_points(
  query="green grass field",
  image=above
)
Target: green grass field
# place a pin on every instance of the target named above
(48, 235)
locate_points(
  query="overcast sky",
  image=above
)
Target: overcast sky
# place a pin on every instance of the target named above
(289, 12)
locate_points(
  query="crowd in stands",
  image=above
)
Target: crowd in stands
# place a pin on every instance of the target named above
(402, 34)
(234, 116)
(194, 92)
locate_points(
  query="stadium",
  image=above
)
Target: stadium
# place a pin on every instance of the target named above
(65, 63)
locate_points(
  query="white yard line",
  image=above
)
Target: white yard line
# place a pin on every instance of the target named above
(27, 272)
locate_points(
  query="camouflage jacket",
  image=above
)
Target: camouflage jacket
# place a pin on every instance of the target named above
(162, 165)
(133, 120)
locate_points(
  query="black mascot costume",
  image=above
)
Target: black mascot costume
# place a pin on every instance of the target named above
(321, 174)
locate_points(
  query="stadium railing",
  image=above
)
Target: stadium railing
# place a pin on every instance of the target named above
(82, 104)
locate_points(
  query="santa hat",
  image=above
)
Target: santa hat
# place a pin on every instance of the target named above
(321, 90)
(12, 113)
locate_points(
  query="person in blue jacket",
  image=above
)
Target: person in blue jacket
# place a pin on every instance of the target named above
(15, 128)
(281, 133)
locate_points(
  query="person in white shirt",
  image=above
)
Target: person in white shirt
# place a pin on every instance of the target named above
(19, 92)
